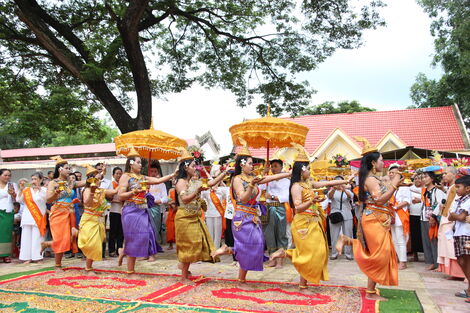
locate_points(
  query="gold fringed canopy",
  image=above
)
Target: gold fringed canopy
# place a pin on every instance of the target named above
(150, 144)
(269, 131)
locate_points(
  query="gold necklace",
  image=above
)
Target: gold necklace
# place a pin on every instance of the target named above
(136, 176)
(246, 178)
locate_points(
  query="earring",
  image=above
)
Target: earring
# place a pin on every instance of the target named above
(374, 171)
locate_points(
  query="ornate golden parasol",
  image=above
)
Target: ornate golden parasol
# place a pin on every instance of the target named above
(150, 144)
(269, 132)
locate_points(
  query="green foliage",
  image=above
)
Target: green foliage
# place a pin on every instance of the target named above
(54, 115)
(329, 107)
(105, 48)
(451, 29)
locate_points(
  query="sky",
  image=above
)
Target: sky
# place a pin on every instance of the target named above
(378, 75)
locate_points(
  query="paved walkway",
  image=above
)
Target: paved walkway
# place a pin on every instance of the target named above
(435, 292)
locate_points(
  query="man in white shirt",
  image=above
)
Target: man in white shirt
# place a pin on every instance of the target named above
(415, 214)
(277, 194)
(105, 183)
(400, 230)
(216, 207)
(432, 199)
(160, 195)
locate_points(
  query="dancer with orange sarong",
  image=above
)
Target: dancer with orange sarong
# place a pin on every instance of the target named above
(373, 250)
(62, 218)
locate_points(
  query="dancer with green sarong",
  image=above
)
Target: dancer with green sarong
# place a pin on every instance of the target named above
(7, 197)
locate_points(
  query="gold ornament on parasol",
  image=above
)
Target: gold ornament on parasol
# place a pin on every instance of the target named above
(268, 132)
(150, 144)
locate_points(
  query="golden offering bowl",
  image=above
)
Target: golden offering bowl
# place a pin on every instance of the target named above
(204, 183)
(407, 174)
(61, 185)
(144, 185)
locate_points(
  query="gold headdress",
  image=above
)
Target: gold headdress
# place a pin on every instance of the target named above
(244, 150)
(302, 156)
(89, 169)
(185, 155)
(133, 153)
(58, 160)
(367, 147)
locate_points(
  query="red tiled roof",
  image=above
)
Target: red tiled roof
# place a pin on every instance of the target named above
(427, 128)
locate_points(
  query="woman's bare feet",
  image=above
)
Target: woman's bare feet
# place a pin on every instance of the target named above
(27, 262)
(375, 297)
(132, 276)
(120, 256)
(170, 247)
(431, 267)
(221, 251)
(281, 253)
(187, 281)
(90, 272)
(152, 258)
(279, 263)
(180, 267)
(402, 266)
(241, 282)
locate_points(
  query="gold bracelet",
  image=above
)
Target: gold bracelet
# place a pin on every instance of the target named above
(394, 187)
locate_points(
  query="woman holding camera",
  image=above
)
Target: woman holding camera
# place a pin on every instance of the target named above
(341, 218)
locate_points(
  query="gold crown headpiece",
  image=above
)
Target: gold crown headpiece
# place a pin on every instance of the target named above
(89, 169)
(132, 152)
(185, 155)
(367, 147)
(244, 150)
(302, 156)
(58, 160)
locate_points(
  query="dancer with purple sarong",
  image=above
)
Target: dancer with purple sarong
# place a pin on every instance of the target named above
(246, 224)
(139, 235)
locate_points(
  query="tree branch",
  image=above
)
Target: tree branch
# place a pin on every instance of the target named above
(62, 29)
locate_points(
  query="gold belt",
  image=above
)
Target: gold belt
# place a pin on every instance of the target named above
(94, 213)
(310, 213)
(246, 209)
(275, 203)
(378, 208)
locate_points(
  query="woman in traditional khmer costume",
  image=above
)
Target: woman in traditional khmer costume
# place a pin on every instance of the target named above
(373, 250)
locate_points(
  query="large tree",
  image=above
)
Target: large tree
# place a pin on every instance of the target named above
(112, 49)
(34, 117)
(451, 28)
(329, 107)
